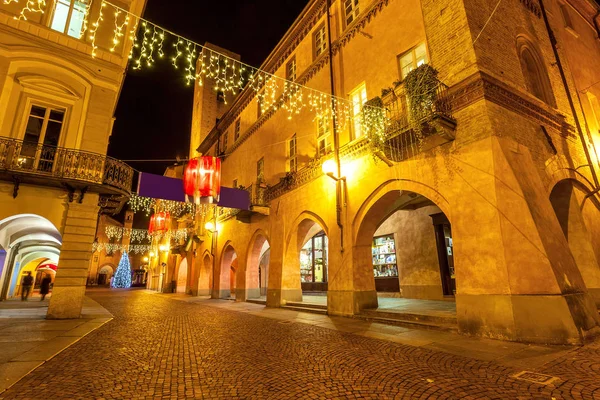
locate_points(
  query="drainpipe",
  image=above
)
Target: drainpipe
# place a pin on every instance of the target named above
(336, 138)
(563, 77)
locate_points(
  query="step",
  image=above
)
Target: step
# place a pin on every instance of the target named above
(410, 324)
(410, 316)
(305, 309)
(307, 305)
(257, 301)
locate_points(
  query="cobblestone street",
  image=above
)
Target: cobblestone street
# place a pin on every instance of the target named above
(158, 347)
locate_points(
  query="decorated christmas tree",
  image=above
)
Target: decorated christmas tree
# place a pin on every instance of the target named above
(122, 278)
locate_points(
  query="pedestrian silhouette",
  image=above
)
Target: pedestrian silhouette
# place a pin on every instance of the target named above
(45, 286)
(27, 284)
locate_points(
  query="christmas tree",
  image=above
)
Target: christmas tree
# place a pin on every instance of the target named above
(122, 278)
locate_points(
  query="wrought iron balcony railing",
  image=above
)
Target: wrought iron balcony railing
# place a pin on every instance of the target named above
(59, 163)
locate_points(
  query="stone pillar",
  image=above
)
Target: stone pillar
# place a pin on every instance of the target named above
(78, 235)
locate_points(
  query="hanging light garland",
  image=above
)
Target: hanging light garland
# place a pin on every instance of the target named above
(31, 6)
(149, 205)
(229, 75)
(115, 247)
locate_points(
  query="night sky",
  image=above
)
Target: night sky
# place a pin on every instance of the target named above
(154, 112)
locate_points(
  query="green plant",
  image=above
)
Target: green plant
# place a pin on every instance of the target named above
(421, 85)
(373, 123)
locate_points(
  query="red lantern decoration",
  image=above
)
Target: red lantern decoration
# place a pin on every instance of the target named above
(202, 179)
(160, 222)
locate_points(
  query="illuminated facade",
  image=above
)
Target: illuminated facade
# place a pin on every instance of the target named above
(56, 115)
(491, 202)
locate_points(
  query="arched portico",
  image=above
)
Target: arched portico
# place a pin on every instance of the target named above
(256, 276)
(225, 276)
(204, 265)
(294, 275)
(182, 276)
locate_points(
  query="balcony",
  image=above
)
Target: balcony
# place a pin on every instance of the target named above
(258, 202)
(38, 164)
(432, 125)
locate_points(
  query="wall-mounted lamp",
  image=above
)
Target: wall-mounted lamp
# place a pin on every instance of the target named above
(146, 259)
(329, 168)
(163, 248)
(151, 254)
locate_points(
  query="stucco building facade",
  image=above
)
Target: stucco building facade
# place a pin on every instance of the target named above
(57, 106)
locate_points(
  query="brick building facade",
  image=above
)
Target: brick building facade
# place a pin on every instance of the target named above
(496, 209)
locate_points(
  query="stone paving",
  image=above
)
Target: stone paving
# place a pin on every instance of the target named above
(157, 347)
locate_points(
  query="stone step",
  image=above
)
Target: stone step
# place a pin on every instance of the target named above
(305, 309)
(307, 305)
(411, 316)
(436, 326)
(257, 301)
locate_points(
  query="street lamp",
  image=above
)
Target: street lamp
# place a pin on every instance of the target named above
(329, 168)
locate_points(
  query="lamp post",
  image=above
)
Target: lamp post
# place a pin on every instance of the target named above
(332, 169)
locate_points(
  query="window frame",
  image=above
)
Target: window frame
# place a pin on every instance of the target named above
(65, 31)
(323, 135)
(357, 132)
(260, 170)
(292, 158)
(291, 63)
(325, 46)
(237, 129)
(225, 140)
(413, 52)
(40, 146)
(355, 11)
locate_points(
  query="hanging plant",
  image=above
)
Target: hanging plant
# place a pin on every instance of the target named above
(421, 85)
(373, 124)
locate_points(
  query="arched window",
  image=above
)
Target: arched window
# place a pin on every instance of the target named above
(534, 72)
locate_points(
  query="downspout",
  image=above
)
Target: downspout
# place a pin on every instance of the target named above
(563, 77)
(336, 139)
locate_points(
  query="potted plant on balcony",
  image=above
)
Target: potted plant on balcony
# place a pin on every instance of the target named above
(421, 85)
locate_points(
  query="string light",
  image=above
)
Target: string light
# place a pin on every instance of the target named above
(141, 235)
(149, 205)
(118, 33)
(95, 27)
(230, 76)
(34, 6)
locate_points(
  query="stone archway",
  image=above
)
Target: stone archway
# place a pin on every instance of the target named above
(294, 278)
(104, 274)
(257, 266)
(579, 217)
(182, 275)
(420, 268)
(223, 284)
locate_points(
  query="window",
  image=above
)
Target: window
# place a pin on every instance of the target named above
(237, 129)
(320, 41)
(358, 97)
(313, 259)
(235, 184)
(69, 16)
(412, 59)
(42, 135)
(534, 72)
(225, 142)
(259, 105)
(564, 11)
(323, 137)
(350, 10)
(290, 69)
(260, 170)
(292, 159)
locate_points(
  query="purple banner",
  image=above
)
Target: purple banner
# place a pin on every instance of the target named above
(165, 188)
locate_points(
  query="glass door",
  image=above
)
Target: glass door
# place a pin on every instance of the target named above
(42, 135)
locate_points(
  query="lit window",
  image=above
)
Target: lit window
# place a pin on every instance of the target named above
(351, 10)
(358, 97)
(320, 41)
(412, 59)
(323, 136)
(42, 135)
(260, 170)
(69, 16)
(290, 70)
(292, 158)
(237, 129)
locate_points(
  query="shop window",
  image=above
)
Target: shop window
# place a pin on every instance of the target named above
(260, 170)
(313, 260)
(412, 59)
(351, 10)
(385, 265)
(290, 69)
(358, 97)
(320, 41)
(292, 155)
(323, 136)
(68, 17)
(237, 129)
(534, 72)
(41, 137)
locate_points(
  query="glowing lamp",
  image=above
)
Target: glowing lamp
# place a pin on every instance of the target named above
(202, 179)
(159, 222)
(329, 167)
(151, 254)
(210, 226)
(164, 248)
(146, 259)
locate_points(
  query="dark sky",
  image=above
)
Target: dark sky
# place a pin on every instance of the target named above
(154, 112)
